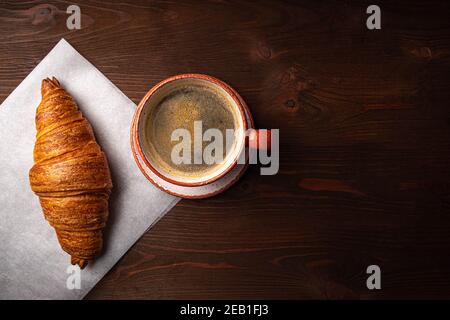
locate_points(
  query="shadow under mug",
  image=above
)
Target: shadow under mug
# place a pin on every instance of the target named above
(243, 139)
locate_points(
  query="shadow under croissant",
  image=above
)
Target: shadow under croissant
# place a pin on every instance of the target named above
(106, 232)
(113, 200)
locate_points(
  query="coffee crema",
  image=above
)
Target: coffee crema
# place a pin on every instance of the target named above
(181, 108)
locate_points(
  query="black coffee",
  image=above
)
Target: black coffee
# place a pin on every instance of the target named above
(180, 109)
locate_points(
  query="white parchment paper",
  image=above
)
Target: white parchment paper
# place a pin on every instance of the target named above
(32, 264)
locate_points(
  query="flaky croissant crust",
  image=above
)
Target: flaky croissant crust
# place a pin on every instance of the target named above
(70, 174)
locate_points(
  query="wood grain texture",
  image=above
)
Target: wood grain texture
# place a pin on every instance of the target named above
(365, 141)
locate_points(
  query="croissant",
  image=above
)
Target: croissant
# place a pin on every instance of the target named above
(70, 174)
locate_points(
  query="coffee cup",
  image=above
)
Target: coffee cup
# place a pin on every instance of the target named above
(180, 118)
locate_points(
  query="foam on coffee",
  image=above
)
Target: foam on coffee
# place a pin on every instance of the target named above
(180, 108)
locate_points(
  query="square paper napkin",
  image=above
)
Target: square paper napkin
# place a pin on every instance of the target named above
(32, 263)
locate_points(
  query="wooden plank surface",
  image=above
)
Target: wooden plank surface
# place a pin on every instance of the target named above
(364, 122)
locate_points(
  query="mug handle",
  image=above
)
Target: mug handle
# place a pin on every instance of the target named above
(260, 139)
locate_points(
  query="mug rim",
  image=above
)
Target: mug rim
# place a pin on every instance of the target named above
(138, 113)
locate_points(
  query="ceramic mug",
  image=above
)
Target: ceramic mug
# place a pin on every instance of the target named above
(241, 142)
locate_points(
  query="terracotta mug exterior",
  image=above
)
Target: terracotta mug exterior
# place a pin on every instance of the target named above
(253, 141)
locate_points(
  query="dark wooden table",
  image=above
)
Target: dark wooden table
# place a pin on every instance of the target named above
(364, 120)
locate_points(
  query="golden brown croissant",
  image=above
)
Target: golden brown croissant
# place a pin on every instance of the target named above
(70, 174)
